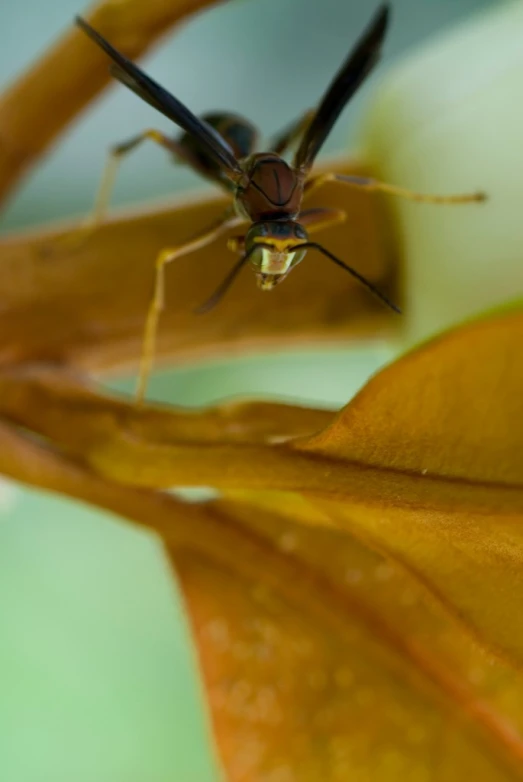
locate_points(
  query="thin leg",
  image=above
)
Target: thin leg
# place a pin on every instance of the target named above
(291, 134)
(205, 237)
(373, 185)
(318, 219)
(96, 218)
(111, 169)
(236, 244)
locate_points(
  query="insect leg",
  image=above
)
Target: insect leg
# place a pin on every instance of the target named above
(201, 239)
(318, 219)
(373, 185)
(236, 244)
(95, 219)
(111, 169)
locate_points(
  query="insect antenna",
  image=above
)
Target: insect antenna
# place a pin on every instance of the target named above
(224, 286)
(350, 270)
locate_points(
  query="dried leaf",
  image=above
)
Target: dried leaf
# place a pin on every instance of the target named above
(102, 290)
(420, 465)
(323, 661)
(450, 416)
(320, 659)
(333, 594)
(78, 417)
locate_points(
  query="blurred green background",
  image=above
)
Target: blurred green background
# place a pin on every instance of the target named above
(97, 683)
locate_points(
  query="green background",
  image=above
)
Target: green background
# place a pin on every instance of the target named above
(97, 683)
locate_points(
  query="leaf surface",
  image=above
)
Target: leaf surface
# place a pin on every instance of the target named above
(320, 659)
(424, 465)
(102, 289)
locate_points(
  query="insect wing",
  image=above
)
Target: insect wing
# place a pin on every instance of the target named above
(152, 93)
(351, 75)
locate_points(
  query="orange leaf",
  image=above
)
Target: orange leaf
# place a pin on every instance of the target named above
(320, 659)
(102, 290)
(402, 467)
(449, 416)
(452, 408)
(79, 418)
(311, 589)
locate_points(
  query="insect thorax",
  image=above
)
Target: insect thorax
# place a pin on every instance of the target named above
(271, 189)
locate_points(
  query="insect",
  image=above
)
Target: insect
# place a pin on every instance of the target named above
(267, 192)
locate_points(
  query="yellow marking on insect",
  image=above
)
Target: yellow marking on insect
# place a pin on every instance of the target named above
(276, 261)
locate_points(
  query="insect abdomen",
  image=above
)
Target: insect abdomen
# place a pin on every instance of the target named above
(240, 135)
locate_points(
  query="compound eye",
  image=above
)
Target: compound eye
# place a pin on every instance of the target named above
(300, 232)
(256, 256)
(298, 256)
(261, 230)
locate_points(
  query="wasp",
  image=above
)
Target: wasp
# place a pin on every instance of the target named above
(267, 192)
